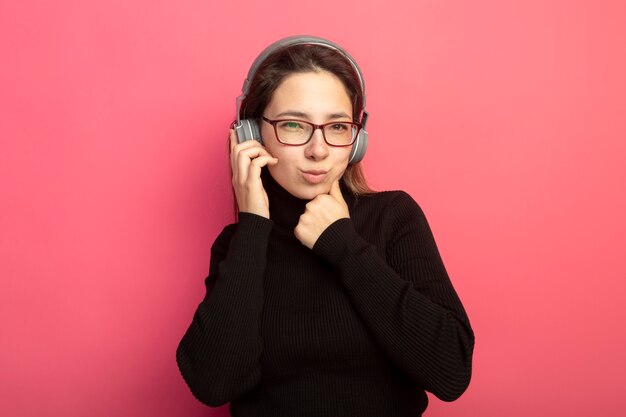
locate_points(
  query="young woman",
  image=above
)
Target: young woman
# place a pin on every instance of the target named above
(325, 298)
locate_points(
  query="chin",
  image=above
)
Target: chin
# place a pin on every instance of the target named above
(308, 192)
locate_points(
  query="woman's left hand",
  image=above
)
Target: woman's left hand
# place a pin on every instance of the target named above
(320, 213)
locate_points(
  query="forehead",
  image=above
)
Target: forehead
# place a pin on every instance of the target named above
(311, 92)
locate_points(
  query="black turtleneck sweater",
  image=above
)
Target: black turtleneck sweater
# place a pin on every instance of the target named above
(361, 325)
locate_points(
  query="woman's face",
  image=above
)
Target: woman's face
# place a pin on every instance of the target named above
(308, 170)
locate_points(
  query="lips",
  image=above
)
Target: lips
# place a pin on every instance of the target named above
(314, 176)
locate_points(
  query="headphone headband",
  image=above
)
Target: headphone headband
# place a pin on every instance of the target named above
(299, 40)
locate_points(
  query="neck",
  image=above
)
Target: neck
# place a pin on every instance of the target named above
(285, 209)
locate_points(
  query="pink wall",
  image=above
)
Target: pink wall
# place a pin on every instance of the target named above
(506, 120)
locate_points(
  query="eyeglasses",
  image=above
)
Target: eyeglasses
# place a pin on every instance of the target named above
(298, 132)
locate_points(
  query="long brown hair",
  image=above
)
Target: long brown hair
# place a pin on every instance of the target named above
(307, 58)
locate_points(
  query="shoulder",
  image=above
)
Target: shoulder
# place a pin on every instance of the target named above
(386, 214)
(396, 203)
(223, 239)
(227, 232)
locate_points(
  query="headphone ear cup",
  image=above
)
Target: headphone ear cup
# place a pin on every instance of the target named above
(248, 129)
(359, 148)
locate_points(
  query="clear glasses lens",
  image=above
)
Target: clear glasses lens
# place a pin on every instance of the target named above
(296, 132)
(340, 133)
(293, 132)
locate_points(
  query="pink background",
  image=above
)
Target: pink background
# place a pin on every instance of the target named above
(506, 121)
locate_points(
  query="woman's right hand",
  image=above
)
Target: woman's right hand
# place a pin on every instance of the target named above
(246, 161)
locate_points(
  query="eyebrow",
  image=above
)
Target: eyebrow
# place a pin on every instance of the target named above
(305, 116)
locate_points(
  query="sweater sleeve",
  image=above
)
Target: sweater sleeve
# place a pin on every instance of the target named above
(406, 300)
(219, 354)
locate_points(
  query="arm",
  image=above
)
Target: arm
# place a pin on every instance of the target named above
(219, 354)
(407, 300)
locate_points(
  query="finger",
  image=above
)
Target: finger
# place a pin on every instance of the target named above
(256, 164)
(241, 157)
(335, 190)
(263, 160)
(252, 148)
(246, 157)
(244, 145)
(252, 152)
(234, 141)
(234, 147)
(242, 166)
(232, 138)
(247, 149)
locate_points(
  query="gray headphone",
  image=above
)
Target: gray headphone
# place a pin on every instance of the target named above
(248, 129)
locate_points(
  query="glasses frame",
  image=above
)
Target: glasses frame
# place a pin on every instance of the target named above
(315, 127)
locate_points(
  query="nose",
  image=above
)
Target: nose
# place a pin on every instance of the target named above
(317, 148)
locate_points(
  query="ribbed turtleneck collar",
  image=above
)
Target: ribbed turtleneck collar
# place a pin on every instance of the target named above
(285, 209)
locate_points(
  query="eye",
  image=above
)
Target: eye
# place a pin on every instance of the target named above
(291, 125)
(339, 127)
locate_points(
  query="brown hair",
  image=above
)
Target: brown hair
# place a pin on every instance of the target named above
(307, 58)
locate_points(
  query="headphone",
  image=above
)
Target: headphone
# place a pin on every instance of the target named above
(248, 129)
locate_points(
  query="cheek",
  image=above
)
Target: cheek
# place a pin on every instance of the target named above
(287, 162)
(285, 157)
(343, 156)
(267, 136)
